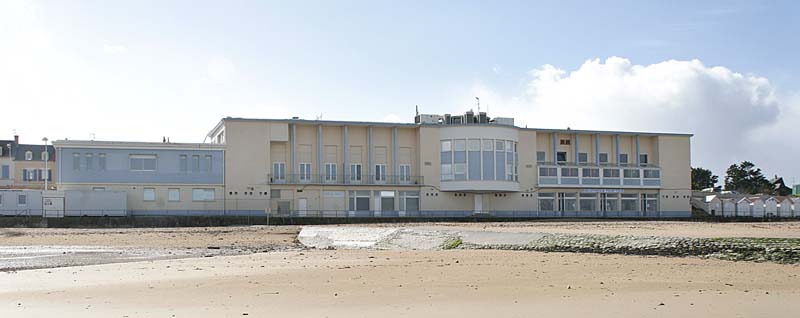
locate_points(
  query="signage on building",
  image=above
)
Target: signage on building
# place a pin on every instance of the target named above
(602, 190)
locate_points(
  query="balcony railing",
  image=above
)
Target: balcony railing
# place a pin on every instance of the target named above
(349, 180)
(570, 174)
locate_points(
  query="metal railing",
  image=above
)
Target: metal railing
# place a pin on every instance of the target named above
(632, 176)
(340, 179)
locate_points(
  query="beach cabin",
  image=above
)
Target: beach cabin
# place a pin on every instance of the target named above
(744, 207)
(713, 205)
(756, 207)
(728, 207)
(785, 208)
(771, 206)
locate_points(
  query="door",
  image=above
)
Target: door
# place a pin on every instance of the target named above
(478, 203)
(302, 206)
(53, 207)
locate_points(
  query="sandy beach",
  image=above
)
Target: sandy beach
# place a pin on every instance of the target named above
(298, 282)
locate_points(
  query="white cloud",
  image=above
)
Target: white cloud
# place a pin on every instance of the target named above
(219, 70)
(115, 49)
(733, 116)
(393, 118)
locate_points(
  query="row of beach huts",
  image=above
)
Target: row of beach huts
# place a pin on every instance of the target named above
(736, 205)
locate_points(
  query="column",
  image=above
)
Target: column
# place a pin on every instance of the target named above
(597, 149)
(616, 148)
(320, 171)
(396, 167)
(294, 153)
(577, 149)
(370, 166)
(555, 147)
(345, 152)
(637, 151)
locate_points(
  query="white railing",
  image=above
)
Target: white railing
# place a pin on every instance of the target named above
(599, 176)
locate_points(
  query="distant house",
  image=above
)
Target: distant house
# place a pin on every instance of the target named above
(779, 187)
(771, 206)
(744, 207)
(785, 207)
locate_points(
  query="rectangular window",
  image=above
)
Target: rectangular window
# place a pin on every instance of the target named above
(474, 145)
(330, 172)
(630, 202)
(547, 201)
(380, 172)
(409, 201)
(459, 145)
(591, 173)
(610, 202)
(275, 193)
(405, 173)
(610, 173)
(561, 157)
(623, 158)
(650, 202)
(76, 161)
(583, 157)
(447, 145)
(548, 172)
(355, 172)
(588, 202)
(358, 201)
(24, 174)
(202, 194)
(6, 173)
(565, 142)
(101, 161)
(541, 157)
(174, 194)
(631, 173)
(183, 163)
(488, 145)
(652, 174)
(207, 160)
(643, 159)
(279, 171)
(196, 163)
(568, 201)
(149, 194)
(460, 171)
(45, 155)
(89, 162)
(22, 199)
(143, 162)
(499, 145)
(305, 171)
(447, 172)
(569, 172)
(603, 158)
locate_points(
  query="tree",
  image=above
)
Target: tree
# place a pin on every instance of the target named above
(746, 178)
(703, 179)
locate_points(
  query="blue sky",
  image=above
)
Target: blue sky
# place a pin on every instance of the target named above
(139, 70)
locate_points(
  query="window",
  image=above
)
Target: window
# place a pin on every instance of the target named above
(76, 162)
(565, 142)
(28, 155)
(631, 173)
(355, 172)
(652, 174)
(174, 194)
(541, 157)
(583, 157)
(460, 171)
(474, 145)
(409, 201)
(45, 156)
(499, 145)
(569, 172)
(568, 201)
(149, 194)
(101, 161)
(610, 173)
(305, 172)
(196, 163)
(459, 145)
(405, 173)
(330, 172)
(183, 163)
(387, 200)
(275, 193)
(650, 202)
(32, 175)
(630, 202)
(207, 160)
(643, 159)
(447, 145)
(610, 201)
(548, 172)
(358, 201)
(561, 157)
(279, 171)
(380, 172)
(98, 189)
(623, 158)
(487, 145)
(22, 199)
(591, 173)
(6, 173)
(89, 161)
(603, 158)
(547, 201)
(588, 202)
(202, 194)
(143, 162)
(447, 172)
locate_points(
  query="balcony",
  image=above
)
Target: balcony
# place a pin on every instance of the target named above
(322, 179)
(582, 175)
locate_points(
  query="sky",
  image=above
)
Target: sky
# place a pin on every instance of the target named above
(726, 71)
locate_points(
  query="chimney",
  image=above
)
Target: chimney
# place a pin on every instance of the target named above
(16, 139)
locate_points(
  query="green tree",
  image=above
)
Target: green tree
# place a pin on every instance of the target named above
(703, 179)
(746, 178)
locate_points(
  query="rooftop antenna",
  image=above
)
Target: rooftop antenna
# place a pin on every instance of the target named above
(92, 134)
(319, 117)
(416, 108)
(479, 104)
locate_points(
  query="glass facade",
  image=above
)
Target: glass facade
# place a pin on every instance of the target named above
(479, 159)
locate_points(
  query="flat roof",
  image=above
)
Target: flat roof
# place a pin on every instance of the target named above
(390, 124)
(134, 145)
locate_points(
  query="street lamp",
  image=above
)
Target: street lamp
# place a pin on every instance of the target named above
(46, 174)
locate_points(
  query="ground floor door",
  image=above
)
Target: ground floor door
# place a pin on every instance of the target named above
(302, 206)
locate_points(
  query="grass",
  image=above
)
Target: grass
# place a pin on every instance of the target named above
(452, 243)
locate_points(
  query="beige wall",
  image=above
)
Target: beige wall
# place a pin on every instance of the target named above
(18, 166)
(675, 163)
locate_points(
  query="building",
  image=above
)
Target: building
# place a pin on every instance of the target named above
(26, 166)
(158, 178)
(451, 166)
(6, 164)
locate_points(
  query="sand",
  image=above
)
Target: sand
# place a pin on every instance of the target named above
(290, 281)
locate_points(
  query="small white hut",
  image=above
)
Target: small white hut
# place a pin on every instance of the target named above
(713, 205)
(785, 208)
(771, 206)
(757, 207)
(744, 207)
(728, 207)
